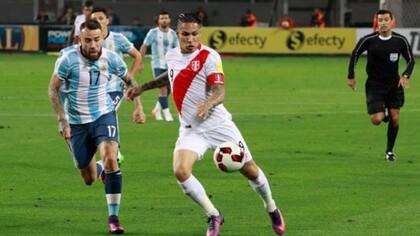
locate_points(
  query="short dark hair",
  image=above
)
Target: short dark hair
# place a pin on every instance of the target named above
(100, 9)
(90, 24)
(88, 3)
(188, 18)
(383, 12)
(163, 12)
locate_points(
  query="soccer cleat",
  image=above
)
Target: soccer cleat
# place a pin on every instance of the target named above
(114, 225)
(214, 225)
(156, 112)
(157, 115)
(390, 156)
(167, 115)
(277, 222)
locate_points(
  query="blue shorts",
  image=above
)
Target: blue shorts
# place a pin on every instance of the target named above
(158, 71)
(85, 138)
(117, 98)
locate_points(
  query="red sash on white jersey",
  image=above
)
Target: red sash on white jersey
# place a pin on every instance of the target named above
(185, 77)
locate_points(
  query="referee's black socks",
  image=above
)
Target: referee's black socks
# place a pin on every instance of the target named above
(392, 136)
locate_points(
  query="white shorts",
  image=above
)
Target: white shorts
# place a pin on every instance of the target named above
(200, 141)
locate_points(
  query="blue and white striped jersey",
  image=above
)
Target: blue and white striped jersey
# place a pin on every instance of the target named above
(160, 42)
(84, 91)
(118, 43)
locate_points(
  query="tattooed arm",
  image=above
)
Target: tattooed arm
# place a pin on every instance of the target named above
(160, 81)
(53, 94)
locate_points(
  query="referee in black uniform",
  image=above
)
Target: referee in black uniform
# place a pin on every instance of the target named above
(384, 85)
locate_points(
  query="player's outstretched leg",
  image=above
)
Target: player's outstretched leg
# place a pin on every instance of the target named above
(113, 184)
(184, 161)
(260, 185)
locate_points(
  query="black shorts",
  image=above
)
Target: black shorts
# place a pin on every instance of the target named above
(380, 96)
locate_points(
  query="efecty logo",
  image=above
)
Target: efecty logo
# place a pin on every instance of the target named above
(219, 38)
(297, 39)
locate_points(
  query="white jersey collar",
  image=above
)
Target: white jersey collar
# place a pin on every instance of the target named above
(385, 38)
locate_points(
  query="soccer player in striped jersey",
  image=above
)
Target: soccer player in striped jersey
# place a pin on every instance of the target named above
(118, 43)
(384, 85)
(196, 76)
(160, 39)
(87, 117)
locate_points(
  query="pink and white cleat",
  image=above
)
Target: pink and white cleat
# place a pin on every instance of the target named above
(277, 221)
(214, 225)
(114, 225)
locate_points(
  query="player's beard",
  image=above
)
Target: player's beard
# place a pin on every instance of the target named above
(89, 54)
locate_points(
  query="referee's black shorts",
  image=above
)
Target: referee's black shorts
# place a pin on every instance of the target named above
(380, 96)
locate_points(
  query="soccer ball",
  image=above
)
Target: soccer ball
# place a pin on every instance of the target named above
(229, 157)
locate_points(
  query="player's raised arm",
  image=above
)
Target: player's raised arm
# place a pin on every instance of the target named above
(53, 95)
(161, 80)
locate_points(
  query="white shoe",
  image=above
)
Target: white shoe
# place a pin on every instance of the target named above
(167, 114)
(156, 113)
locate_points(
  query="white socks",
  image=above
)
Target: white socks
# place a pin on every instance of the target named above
(261, 186)
(193, 188)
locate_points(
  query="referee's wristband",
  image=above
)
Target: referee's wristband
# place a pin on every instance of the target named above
(406, 76)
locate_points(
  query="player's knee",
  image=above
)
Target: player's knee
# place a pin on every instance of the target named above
(376, 120)
(395, 120)
(182, 173)
(89, 180)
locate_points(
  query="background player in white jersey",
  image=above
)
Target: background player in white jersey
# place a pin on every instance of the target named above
(196, 76)
(160, 39)
(118, 43)
(86, 114)
(80, 19)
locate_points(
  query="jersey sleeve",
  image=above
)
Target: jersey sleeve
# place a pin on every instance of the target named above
(407, 53)
(77, 23)
(124, 44)
(149, 38)
(175, 41)
(117, 65)
(214, 69)
(62, 68)
(358, 50)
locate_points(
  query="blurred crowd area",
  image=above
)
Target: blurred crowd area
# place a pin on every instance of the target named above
(251, 13)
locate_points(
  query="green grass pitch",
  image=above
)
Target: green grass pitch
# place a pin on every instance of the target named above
(306, 129)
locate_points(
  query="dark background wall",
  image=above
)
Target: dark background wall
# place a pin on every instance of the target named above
(220, 13)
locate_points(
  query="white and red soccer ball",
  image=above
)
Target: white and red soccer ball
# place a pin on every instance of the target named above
(229, 157)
